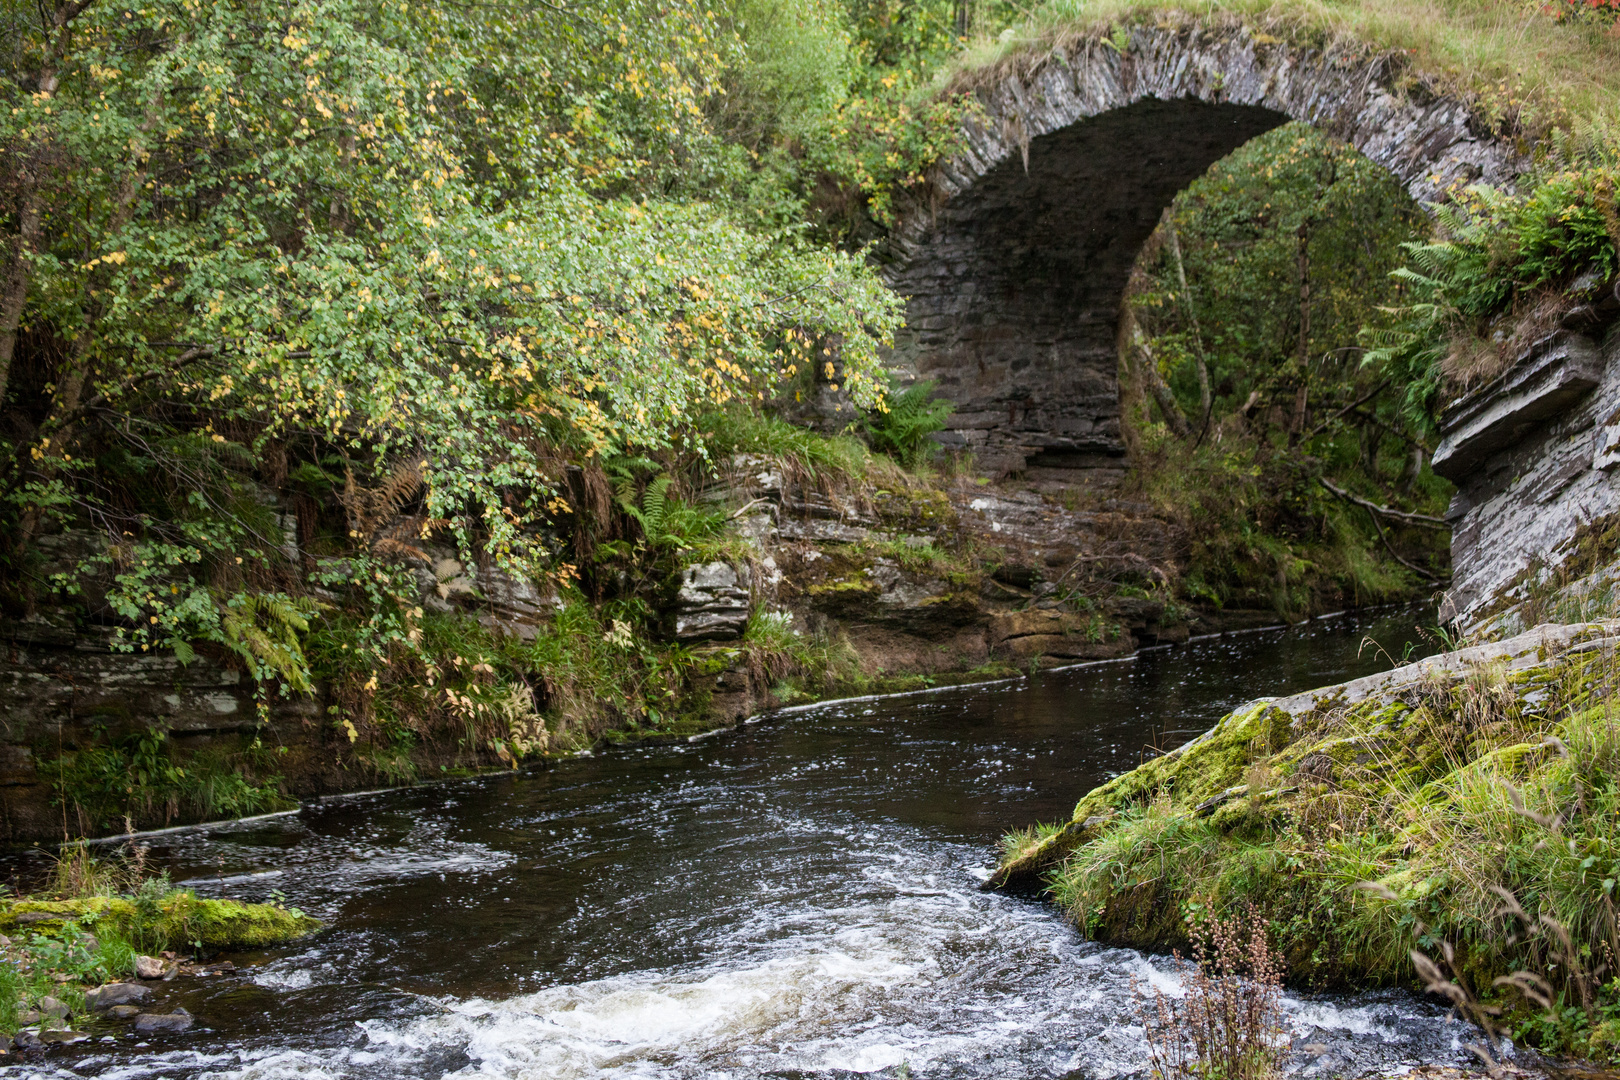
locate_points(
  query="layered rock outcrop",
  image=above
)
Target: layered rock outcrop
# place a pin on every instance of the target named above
(1534, 457)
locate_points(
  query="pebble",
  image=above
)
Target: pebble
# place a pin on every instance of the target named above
(26, 1040)
(179, 1020)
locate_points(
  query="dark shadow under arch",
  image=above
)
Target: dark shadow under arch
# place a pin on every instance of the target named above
(1014, 297)
(1014, 274)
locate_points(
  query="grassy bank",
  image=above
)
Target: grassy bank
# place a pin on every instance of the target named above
(97, 919)
(1475, 795)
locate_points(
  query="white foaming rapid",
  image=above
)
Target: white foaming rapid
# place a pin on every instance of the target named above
(938, 981)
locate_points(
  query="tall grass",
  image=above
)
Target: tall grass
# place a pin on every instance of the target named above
(810, 454)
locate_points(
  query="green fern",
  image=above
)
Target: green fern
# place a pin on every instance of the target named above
(650, 515)
(263, 629)
(665, 521)
(912, 415)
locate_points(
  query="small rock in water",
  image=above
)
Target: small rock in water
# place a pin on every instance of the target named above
(150, 967)
(62, 1035)
(124, 1012)
(49, 1006)
(26, 1040)
(179, 1020)
(106, 997)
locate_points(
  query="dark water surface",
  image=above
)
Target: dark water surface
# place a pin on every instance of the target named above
(797, 899)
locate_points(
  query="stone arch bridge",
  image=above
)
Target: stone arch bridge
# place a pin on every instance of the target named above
(1015, 259)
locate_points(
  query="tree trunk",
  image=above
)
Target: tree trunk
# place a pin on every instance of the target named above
(1414, 466)
(1161, 392)
(19, 266)
(1296, 422)
(1205, 398)
(58, 430)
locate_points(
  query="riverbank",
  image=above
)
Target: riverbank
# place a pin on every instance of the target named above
(801, 895)
(1472, 792)
(92, 950)
(830, 573)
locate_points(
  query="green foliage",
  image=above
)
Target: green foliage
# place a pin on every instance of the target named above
(137, 777)
(422, 241)
(667, 523)
(1216, 297)
(1239, 230)
(900, 426)
(1482, 290)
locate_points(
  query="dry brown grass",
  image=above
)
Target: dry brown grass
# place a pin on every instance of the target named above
(1230, 1024)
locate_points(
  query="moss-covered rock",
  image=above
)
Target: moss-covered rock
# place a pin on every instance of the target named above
(180, 919)
(1443, 783)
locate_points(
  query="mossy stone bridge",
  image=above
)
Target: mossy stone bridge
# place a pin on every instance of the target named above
(1015, 259)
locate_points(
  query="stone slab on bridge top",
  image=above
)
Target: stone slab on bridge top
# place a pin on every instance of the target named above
(1014, 259)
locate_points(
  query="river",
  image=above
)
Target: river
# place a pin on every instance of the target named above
(799, 898)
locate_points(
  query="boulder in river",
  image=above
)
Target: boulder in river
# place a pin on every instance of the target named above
(151, 967)
(179, 1020)
(112, 995)
(62, 1035)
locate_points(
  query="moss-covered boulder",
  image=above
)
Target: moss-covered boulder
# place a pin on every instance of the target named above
(1448, 784)
(180, 920)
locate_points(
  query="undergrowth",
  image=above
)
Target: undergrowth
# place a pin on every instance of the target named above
(138, 779)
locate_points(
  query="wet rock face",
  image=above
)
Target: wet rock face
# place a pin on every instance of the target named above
(1014, 263)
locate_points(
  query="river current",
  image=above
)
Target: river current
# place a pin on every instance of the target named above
(796, 899)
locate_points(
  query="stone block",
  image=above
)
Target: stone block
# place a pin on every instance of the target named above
(713, 602)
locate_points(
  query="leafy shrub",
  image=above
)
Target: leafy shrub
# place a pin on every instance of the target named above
(1503, 265)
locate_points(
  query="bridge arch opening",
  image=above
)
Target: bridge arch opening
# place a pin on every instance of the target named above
(1014, 264)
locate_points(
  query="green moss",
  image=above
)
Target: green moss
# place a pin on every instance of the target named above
(842, 586)
(1414, 790)
(179, 920)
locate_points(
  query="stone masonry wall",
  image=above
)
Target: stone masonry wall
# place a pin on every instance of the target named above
(1015, 258)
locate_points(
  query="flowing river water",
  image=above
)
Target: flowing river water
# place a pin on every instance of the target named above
(799, 898)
